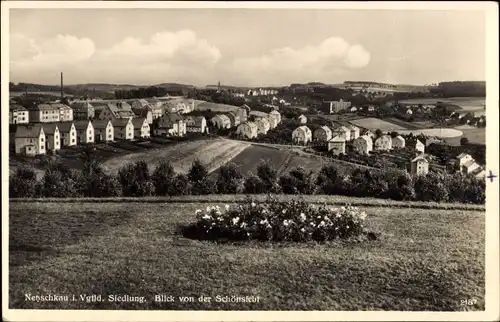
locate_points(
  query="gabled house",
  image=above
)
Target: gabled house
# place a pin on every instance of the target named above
(398, 142)
(196, 124)
(83, 110)
(419, 146)
(68, 133)
(276, 115)
(221, 121)
(141, 127)
(124, 128)
(84, 131)
(409, 111)
(322, 134)
(171, 124)
(18, 114)
(342, 132)
(118, 110)
(463, 158)
(363, 144)
(419, 166)
(242, 114)
(336, 145)
(383, 143)
(235, 119)
(354, 131)
(369, 133)
(103, 131)
(29, 140)
(479, 173)
(248, 130)
(65, 113)
(138, 103)
(263, 126)
(52, 137)
(469, 167)
(302, 119)
(144, 112)
(302, 135)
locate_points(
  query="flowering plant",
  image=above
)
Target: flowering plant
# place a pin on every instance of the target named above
(280, 221)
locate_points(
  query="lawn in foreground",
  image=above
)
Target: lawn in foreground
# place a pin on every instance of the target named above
(423, 260)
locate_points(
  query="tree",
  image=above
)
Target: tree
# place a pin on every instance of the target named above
(268, 176)
(179, 186)
(464, 141)
(378, 133)
(253, 185)
(297, 181)
(135, 180)
(229, 180)
(23, 183)
(327, 180)
(162, 178)
(201, 184)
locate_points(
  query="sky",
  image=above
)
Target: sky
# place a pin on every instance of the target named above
(245, 47)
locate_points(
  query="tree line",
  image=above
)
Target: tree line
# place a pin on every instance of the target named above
(136, 180)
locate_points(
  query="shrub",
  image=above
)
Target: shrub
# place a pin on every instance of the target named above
(59, 184)
(400, 184)
(201, 184)
(253, 185)
(431, 187)
(327, 180)
(179, 186)
(277, 221)
(162, 178)
(229, 179)
(298, 181)
(23, 183)
(135, 180)
(269, 177)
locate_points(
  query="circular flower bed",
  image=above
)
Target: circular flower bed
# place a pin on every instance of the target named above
(275, 220)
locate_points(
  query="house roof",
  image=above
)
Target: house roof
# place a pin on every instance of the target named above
(365, 138)
(399, 137)
(341, 128)
(138, 122)
(478, 170)
(100, 124)
(172, 118)
(462, 155)
(252, 125)
(337, 138)
(120, 122)
(301, 116)
(28, 131)
(352, 127)
(274, 112)
(50, 128)
(142, 111)
(198, 121)
(81, 124)
(16, 108)
(422, 158)
(47, 106)
(81, 106)
(64, 126)
(469, 163)
(121, 109)
(387, 137)
(303, 128)
(263, 121)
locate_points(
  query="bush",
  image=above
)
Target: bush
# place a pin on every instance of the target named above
(277, 221)
(23, 183)
(135, 180)
(431, 187)
(229, 179)
(298, 181)
(201, 184)
(179, 186)
(253, 185)
(162, 178)
(269, 178)
(60, 184)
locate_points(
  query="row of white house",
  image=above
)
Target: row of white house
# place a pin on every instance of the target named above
(261, 124)
(35, 139)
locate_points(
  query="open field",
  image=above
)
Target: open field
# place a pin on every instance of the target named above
(473, 134)
(439, 132)
(373, 123)
(215, 107)
(423, 260)
(410, 125)
(212, 153)
(466, 103)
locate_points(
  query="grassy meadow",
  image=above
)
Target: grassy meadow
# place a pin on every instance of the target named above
(423, 259)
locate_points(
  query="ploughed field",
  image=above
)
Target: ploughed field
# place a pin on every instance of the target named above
(423, 259)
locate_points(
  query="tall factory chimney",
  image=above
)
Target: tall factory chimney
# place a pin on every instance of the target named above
(62, 92)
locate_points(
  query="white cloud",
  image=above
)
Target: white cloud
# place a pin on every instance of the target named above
(166, 56)
(330, 58)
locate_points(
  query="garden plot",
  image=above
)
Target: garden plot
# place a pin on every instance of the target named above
(373, 124)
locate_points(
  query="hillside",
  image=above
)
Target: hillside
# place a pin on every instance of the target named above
(423, 260)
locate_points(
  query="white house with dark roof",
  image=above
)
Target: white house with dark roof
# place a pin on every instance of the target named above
(248, 130)
(234, 118)
(242, 114)
(103, 131)
(276, 115)
(469, 167)
(45, 113)
(29, 140)
(419, 146)
(144, 112)
(336, 145)
(68, 133)
(302, 119)
(124, 128)
(84, 131)
(302, 135)
(141, 127)
(18, 114)
(463, 158)
(419, 166)
(52, 137)
(354, 131)
(65, 113)
(342, 132)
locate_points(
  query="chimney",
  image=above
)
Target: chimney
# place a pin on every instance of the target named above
(62, 93)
